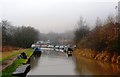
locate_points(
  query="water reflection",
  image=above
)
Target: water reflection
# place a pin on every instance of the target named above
(34, 60)
(91, 67)
(53, 62)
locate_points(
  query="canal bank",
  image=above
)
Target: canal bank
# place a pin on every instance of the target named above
(18, 62)
(87, 64)
(103, 56)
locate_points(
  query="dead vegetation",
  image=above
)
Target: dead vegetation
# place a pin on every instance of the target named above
(103, 56)
(9, 48)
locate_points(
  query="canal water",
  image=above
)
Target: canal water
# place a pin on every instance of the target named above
(56, 62)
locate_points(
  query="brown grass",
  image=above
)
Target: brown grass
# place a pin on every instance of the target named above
(9, 48)
(9, 51)
(103, 56)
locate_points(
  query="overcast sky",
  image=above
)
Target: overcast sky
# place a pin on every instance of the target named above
(54, 15)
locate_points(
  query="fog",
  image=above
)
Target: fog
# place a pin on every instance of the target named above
(55, 15)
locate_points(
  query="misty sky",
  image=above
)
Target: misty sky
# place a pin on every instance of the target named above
(55, 15)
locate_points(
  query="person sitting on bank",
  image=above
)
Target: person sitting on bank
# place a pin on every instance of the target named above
(22, 55)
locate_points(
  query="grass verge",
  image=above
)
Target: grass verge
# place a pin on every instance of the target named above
(6, 55)
(10, 69)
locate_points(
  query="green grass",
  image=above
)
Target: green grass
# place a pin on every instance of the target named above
(10, 69)
(0, 59)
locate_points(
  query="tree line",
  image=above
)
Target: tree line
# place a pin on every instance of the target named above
(104, 36)
(18, 36)
(55, 37)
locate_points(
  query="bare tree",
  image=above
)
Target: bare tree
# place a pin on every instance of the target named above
(81, 22)
(0, 34)
(81, 31)
(98, 22)
(5, 25)
(110, 19)
(25, 36)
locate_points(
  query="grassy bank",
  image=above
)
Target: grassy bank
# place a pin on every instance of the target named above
(103, 56)
(6, 55)
(10, 69)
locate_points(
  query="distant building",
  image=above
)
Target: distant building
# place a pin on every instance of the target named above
(65, 42)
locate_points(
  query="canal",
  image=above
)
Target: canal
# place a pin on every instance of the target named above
(56, 62)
